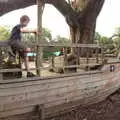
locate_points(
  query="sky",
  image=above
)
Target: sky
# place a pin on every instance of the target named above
(108, 20)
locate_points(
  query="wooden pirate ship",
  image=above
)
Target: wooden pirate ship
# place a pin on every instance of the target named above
(42, 97)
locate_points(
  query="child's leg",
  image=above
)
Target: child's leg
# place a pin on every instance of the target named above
(26, 63)
(12, 54)
(21, 49)
(10, 51)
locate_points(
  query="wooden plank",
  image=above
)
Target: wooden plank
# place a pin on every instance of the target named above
(52, 84)
(18, 69)
(49, 100)
(45, 85)
(32, 107)
(89, 92)
(31, 95)
(65, 45)
(47, 68)
(101, 92)
(34, 79)
(16, 112)
(90, 100)
(50, 96)
(48, 113)
(1, 59)
(56, 44)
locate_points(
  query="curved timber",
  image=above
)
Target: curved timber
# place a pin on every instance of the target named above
(57, 94)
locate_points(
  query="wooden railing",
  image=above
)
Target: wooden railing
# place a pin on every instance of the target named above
(90, 46)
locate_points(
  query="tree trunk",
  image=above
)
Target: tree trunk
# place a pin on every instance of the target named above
(84, 32)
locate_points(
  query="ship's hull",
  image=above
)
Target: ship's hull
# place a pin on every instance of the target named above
(57, 94)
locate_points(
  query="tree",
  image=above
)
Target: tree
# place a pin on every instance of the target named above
(116, 40)
(47, 34)
(48, 51)
(105, 42)
(47, 37)
(4, 33)
(30, 37)
(80, 15)
(97, 38)
(62, 40)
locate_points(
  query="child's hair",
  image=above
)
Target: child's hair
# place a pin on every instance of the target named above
(24, 18)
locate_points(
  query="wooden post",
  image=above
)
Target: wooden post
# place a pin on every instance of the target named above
(65, 58)
(102, 54)
(1, 74)
(87, 59)
(53, 62)
(39, 112)
(78, 57)
(97, 58)
(39, 51)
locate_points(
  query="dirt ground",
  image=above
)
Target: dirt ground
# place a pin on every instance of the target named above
(105, 110)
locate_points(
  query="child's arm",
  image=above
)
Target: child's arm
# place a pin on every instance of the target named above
(29, 31)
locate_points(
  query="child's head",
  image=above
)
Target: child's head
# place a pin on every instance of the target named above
(24, 20)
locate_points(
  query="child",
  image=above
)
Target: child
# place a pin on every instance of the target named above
(15, 41)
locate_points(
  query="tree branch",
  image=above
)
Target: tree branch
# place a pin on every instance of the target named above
(66, 10)
(10, 5)
(61, 5)
(93, 7)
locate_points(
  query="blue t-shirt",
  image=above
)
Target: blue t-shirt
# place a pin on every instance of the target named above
(16, 33)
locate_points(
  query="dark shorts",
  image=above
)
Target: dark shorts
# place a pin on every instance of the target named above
(18, 46)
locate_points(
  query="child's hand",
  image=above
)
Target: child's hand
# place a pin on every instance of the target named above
(37, 32)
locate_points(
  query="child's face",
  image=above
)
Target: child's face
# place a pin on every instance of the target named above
(25, 23)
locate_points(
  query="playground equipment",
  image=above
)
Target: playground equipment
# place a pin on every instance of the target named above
(43, 97)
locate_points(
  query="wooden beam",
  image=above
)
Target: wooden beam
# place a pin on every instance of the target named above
(56, 44)
(39, 37)
(65, 45)
(47, 68)
(65, 58)
(1, 75)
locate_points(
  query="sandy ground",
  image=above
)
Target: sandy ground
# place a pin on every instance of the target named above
(44, 72)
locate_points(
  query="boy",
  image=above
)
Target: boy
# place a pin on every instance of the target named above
(15, 41)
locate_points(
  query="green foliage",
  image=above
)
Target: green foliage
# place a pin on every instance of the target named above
(47, 38)
(116, 40)
(62, 40)
(48, 51)
(30, 37)
(104, 41)
(47, 34)
(112, 44)
(117, 31)
(4, 33)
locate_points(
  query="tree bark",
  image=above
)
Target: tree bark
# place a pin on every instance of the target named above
(84, 33)
(10, 5)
